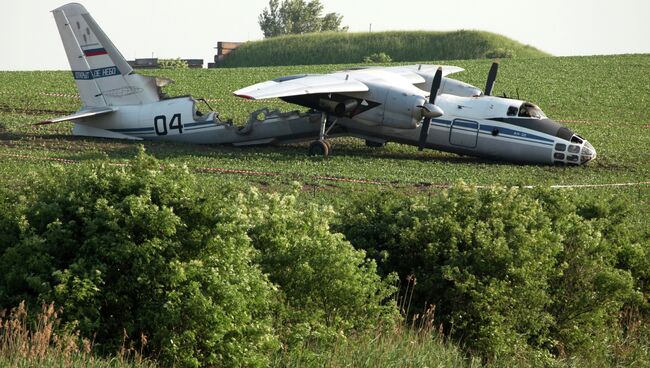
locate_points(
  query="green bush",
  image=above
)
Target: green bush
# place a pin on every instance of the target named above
(510, 272)
(140, 251)
(381, 57)
(328, 288)
(500, 53)
(172, 64)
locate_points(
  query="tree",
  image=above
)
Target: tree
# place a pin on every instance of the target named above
(298, 17)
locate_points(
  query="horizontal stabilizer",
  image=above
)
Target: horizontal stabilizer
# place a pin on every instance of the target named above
(89, 131)
(88, 112)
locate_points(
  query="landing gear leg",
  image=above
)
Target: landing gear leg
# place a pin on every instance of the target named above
(321, 147)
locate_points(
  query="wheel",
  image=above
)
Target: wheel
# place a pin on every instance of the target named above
(375, 144)
(319, 148)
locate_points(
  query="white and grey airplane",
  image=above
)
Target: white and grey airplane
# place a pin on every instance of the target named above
(375, 104)
(419, 105)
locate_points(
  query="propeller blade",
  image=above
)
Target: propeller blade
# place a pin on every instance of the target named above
(435, 86)
(492, 77)
(424, 130)
(424, 133)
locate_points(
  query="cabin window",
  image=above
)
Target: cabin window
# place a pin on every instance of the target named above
(512, 111)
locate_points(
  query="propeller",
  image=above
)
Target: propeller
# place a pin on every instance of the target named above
(430, 110)
(492, 77)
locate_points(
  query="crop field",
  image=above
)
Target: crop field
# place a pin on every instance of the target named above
(606, 99)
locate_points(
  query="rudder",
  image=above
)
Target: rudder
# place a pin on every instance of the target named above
(102, 75)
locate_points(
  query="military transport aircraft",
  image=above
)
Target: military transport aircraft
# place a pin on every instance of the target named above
(418, 105)
(375, 104)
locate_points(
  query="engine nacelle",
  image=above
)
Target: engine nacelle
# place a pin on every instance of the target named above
(345, 108)
(458, 88)
(401, 110)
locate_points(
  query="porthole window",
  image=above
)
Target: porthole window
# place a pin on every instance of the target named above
(574, 149)
(495, 132)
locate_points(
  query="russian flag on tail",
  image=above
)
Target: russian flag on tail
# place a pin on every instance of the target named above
(95, 52)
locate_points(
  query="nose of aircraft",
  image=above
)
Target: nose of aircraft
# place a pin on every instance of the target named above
(588, 153)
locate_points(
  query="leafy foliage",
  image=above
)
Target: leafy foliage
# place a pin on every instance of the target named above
(144, 252)
(500, 53)
(172, 64)
(297, 17)
(509, 272)
(137, 251)
(381, 57)
(329, 289)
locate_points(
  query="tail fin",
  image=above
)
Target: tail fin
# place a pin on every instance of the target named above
(103, 76)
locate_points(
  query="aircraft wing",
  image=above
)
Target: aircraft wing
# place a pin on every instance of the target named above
(87, 112)
(302, 85)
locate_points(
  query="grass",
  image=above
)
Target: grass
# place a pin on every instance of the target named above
(39, 341)
(604, 99)
(341, 48)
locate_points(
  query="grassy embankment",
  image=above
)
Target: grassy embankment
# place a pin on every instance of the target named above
(342, 48)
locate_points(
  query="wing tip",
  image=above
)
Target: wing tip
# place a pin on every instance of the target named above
(246, 97)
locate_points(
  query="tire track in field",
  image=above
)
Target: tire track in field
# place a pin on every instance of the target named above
(246, 172)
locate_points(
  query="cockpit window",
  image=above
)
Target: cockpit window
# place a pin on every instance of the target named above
(528, 110)
(512, 111)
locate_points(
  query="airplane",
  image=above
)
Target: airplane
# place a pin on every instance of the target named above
(418, 105)
(375, 104)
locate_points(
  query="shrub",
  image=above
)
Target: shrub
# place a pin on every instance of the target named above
(381, 57)
(138, 251)
(500, 53)
(328, 288)
(510, 272)
(172, 64)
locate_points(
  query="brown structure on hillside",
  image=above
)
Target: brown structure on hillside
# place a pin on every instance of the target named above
(152, 63)
(223, 50)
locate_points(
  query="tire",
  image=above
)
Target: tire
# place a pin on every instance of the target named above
(319, 148)
(375, 144)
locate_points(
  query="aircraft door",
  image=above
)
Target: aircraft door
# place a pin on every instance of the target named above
(464, 133)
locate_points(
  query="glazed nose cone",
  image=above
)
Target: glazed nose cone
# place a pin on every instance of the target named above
(588, 153)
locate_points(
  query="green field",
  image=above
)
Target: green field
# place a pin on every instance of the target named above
(401, 46)
(604, 99)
